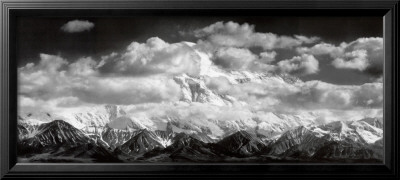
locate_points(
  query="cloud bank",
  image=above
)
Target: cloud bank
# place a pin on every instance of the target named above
(53, 78)
(141, 76)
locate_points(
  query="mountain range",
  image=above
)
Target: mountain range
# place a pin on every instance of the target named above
(118, 133)
(58, 141)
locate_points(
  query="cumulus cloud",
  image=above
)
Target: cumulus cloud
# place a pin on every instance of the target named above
(316, 94)
(219, 84)
(47, 80)
(229, 43)
(363, 54)
(128, 90)
(307, 40)
(352, 60)
(369, 95)
(275, 94)
(302, 65)
(374, 53)
(26, 101)
(153, 57)
(34, 104)
(234, 58)
(267, 57)
(322, 48)
(320, 95)
(40, 80)
(76, 26)
(232, 34)
(84, 67)
(49, 63)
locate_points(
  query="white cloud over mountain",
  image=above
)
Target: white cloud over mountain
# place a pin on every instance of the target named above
(141, 77)
(52, 78)
(154, 57)
(234, 58)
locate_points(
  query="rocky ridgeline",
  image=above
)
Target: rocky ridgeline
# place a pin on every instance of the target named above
(59, 141)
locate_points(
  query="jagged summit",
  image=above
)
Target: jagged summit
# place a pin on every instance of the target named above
(59, 132)
(376, 122)
(194, 90)
(241, 143)
(57, 123)
(141, 143)
(184, 140)
(300, 137)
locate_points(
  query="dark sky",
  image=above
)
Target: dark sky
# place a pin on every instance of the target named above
(43, 35)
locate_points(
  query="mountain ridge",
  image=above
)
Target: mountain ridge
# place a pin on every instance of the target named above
(60, 139)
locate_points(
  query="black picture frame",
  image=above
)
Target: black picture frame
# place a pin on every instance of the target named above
(9, 168)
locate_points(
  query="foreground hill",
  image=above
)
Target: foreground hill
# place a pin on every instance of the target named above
(58, 141)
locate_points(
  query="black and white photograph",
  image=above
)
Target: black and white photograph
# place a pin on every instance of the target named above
(200, 89)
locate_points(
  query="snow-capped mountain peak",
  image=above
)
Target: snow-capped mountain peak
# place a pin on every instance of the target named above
(194, 90)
